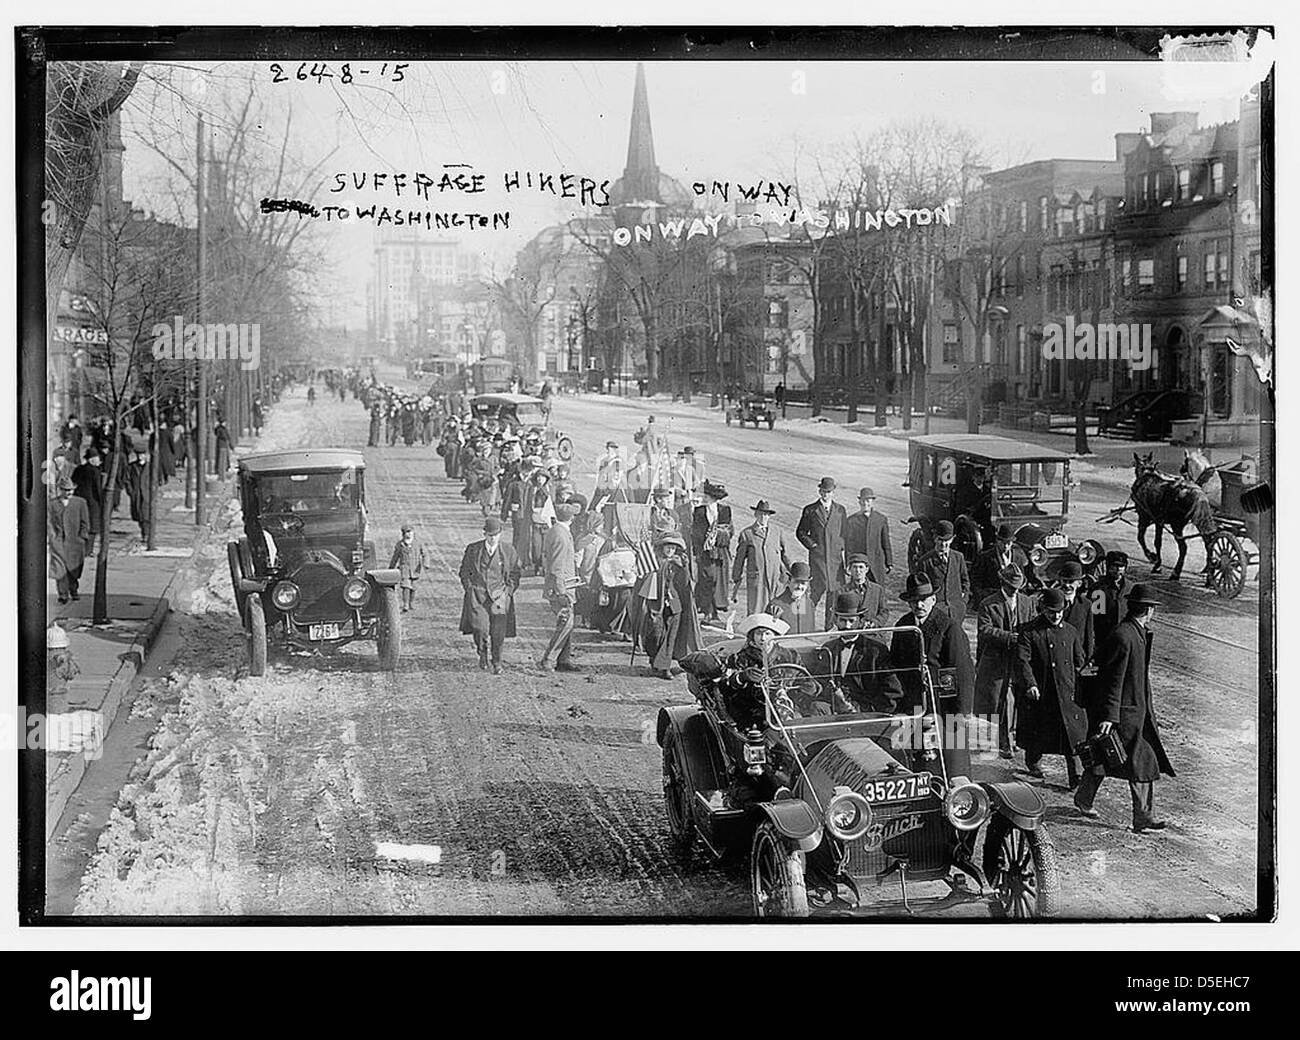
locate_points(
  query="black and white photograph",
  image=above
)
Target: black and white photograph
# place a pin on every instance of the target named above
(665, 477)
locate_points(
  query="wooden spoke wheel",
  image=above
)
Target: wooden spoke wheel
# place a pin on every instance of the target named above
(776, 874)
(1021, 867)
(916, 548)
(677, 795)
(1228, 563)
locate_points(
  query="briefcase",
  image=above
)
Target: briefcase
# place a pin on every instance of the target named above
(1104, 749)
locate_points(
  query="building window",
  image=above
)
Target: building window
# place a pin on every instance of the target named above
(1020, 349)
(1101, 215)
(1042, 213)
(1146, 275)
(1020, 277)
(1225, 279)
(777, 314)
(1182, 273)
(1184, 184)
(1209, 268)
(1024, 216)
(1142, 191)
(951, 343)
(1125, 275)
(1216, 178)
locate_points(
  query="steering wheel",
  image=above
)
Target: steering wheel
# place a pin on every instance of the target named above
(289, 522)
(793, 680)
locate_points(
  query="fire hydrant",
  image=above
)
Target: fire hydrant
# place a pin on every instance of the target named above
(60, 669)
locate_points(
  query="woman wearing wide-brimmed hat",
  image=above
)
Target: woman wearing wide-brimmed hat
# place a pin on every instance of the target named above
(666, 624)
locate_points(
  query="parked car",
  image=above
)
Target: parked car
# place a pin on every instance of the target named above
(836, 809)
(979, 482)
(305, 574)
(752, 409)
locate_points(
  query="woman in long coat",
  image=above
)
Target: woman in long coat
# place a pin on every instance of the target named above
(667, 625)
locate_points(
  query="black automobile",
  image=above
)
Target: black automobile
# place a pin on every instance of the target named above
(753, 409)
(838, 807)
(304, 574)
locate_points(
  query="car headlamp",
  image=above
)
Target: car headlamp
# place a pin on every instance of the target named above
(356, 592)
(285, 595)
(1088, 553)
(1038, 555)
(966, 803)
(848, 815)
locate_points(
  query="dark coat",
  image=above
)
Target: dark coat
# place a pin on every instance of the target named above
(1050, 658)
(870, 535)
(866, 677)
(874, 610)
(1080, 616)
(1112, 600)
(71, 523)
(945, 646)
(823, 536)
(409, 560)
(1124, 699)
(800, 621)
(985, 575)
(486, 580)
(950, 579)
(995, 663)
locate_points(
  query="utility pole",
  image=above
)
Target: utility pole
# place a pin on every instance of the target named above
(201, 403)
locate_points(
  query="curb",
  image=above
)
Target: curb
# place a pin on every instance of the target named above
(69, 772)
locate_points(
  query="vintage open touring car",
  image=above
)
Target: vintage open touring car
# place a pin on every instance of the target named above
(838, 809)
(304, 574)
(979, 482)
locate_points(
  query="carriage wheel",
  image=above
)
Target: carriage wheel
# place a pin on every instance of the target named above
(564, 449)
(1227, 565)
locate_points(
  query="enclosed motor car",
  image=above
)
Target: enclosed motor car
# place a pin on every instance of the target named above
(304, 574)
(752, 409)
(978, 483)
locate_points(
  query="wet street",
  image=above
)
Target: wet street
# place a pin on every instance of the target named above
(328, 787)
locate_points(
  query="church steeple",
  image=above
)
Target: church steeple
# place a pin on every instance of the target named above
(641, 176)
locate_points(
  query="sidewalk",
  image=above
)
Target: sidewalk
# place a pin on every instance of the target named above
(142, 586)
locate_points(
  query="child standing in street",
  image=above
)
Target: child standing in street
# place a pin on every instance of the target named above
(408, 557)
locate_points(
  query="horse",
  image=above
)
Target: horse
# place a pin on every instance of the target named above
(1197, 468)
(1175, 502)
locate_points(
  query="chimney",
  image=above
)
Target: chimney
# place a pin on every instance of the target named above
(1125, 143)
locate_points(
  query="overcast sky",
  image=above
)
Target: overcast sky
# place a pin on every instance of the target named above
(712, 120)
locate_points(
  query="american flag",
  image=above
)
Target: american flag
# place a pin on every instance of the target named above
(646, 560)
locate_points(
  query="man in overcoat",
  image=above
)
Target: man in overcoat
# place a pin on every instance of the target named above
(762, 560)
(1124, 705)
(794, 605)
(1049, 655)
(867, 532)
(858, 582)
(1078, 608)
(1111, 593)
(945, 650)
(986, 572)
(560, 569)
(69, 538)
(946, 569)
(860, 666)
(821, 532)
(1001, 616)
(490, 575)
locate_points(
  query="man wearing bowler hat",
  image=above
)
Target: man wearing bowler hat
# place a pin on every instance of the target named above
(860, 666)
(858, 582)
(867, 532)
(1078, 608)
(489, 575)
(762, 559)
(1049, 657)
(821, 532)
(945, 651)
(986, 572)
(1001, 617)
(946, 569)
(794, 605)
(1124, 706)
(1110, 594)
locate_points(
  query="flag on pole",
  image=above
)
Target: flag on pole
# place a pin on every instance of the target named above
(646, 560)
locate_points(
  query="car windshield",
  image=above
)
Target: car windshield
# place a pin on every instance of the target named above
(529, 412)
(331, 492)
(848, 672)
(1033, 487)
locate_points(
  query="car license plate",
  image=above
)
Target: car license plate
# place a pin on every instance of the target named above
(897, 788)
(318, 632)
(1055, 541)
